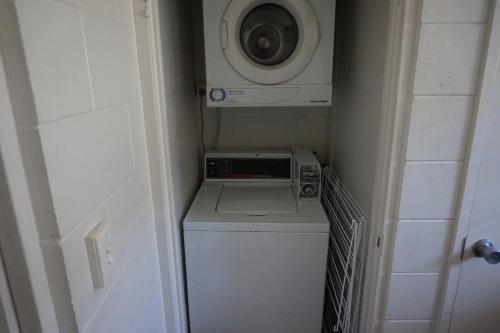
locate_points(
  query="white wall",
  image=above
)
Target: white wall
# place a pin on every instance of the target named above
(270, 128)
(80, 125)
(182, 112)
(362, 29)
(442, 106)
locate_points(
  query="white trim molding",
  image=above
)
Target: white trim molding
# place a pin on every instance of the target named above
(403, 36)
(148, 39)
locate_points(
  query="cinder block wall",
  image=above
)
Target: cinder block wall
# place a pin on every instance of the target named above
(448, 59)
(79, 120)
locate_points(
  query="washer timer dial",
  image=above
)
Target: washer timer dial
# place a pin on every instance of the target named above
(217, 94)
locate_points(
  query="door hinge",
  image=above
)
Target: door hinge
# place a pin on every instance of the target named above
(379, 242)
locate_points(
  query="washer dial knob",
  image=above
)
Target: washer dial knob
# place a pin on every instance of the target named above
(217, 94)
(308, 189)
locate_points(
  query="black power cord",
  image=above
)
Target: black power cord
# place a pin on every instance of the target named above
(202, 93)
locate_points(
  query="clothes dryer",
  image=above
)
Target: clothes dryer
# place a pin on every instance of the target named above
(269, 52)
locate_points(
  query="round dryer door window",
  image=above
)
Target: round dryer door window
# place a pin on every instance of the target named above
(269, 34)
(269, 42)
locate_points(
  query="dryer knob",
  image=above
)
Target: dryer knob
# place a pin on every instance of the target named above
(217, 94)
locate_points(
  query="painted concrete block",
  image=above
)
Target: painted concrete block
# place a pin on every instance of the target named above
(102, 8)
(112, 61)
(121, 307)
(408, 326)
(429, 190)
(88, 157)
(439, 128)
(407, 301)
(448, 59)
(125, 11)
(152, 318)
(55, 53)
(454, 11)
(421, 246)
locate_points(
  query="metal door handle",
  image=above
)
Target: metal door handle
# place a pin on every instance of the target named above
(485, 249)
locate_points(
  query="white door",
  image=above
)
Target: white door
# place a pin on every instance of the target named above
(477, 302)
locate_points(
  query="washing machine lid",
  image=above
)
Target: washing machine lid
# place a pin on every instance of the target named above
(257, 200)
(253, 207)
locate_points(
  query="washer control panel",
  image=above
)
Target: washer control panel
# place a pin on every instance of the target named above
(310, 181)
(247, 166)
(306, 175)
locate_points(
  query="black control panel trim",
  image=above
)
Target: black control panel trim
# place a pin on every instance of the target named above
(248, 168)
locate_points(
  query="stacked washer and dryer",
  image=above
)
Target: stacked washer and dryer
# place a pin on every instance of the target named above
(256, 236)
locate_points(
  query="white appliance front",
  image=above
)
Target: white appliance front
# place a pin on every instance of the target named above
(269, 52)
(255, 282)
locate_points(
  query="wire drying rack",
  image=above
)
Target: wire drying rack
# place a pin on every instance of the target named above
(346, 256)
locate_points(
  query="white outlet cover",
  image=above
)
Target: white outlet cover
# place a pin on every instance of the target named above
(100, 254)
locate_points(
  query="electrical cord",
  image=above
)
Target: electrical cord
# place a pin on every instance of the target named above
(202, 93)
(218, 120)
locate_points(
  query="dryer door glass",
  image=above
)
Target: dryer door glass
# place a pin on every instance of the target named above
(269, 34)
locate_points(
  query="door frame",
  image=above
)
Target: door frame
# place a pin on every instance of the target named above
(472, 164)
(151, 70)
(399, 58)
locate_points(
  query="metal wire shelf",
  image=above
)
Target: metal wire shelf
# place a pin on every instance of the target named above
(346, 256)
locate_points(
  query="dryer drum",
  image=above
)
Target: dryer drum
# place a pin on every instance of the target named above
(269, 34)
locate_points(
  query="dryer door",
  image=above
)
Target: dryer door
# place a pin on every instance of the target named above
(269, 42)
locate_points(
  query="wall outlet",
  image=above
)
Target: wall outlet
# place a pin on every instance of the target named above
(200, 87)
(100, 254)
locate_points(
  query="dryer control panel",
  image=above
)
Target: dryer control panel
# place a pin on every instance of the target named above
(248, 166)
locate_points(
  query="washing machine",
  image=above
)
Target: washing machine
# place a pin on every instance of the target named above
(255, 252)
(269, 52)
